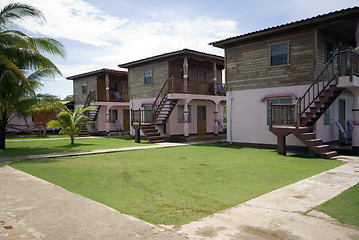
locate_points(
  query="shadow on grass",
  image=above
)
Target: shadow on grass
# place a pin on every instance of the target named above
(300, 153)
(21, 151)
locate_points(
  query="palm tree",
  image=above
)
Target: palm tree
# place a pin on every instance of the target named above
(71, 123)
(22, 65)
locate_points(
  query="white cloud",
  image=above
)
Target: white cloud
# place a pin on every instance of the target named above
(126, 40)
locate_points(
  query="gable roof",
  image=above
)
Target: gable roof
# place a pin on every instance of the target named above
(179, 53)
(103, 70)
(349, 13)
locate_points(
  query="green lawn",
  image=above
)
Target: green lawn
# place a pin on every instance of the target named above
(175, 185)
(20, 148)
(344, 207)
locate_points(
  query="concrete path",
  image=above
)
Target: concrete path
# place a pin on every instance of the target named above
(36, 209)
(280, 214)
(7, 160)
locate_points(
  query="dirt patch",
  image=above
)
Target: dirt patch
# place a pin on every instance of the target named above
(249, 232)
(300, 196)
(209, 231)
(354, 236)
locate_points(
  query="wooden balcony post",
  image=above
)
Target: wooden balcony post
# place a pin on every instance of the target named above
(215, 119)
(107, 83)
(107, 120)
(185, 74)
(215, 78)
(185, 114)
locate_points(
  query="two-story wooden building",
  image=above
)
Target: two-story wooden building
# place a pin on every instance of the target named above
(178, 94)
(305, 69)
(107, 90)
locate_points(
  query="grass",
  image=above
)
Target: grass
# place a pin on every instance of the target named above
(344, 207)
(175, 185)
(21, 148)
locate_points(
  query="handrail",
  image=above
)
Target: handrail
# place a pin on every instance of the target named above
(89, 99)
(343, 63)
(162, 96)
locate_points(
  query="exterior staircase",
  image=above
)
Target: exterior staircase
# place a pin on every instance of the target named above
(92, 114)
(299, 119)
(161, 110)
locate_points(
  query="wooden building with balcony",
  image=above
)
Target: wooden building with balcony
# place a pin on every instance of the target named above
(107, 91)
(176, 94)
(295, 83)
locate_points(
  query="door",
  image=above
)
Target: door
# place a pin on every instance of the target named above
(201, 121)
(126, 120)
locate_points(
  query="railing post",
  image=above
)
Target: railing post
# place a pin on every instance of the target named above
(351, 64)
(338, 61)
(270, 114)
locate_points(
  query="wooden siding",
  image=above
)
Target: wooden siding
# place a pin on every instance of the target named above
(137, 87)
(248, 65)
(79, 97)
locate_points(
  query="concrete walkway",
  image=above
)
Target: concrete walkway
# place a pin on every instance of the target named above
(35, 209)
(280, 214)
(7, 160)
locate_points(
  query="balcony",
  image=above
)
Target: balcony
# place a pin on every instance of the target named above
(100, 96)
(177, 85)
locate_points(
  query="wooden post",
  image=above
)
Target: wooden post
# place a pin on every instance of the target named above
(185, 75)
(215, 78)
(107, 83)
(281, 145)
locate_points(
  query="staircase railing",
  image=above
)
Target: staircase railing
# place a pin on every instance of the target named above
(90, 97)
(161, 98)
(343, 63)
(141, 116)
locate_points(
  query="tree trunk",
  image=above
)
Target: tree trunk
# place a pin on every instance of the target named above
(72, 140)
(3, 124)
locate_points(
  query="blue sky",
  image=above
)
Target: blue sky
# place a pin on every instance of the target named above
(104, 33)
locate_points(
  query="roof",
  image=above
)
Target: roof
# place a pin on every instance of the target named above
(179, 53)
(332, 16)
(103, 70)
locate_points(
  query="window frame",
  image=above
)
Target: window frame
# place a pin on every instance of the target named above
(270, 53)
(113, 115)
(180, 113)
(148, 77)
(329, 116)
(84, 87)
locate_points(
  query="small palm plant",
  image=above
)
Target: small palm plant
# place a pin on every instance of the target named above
(71, 123)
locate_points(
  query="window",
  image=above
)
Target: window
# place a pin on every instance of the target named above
(84, 87)
(113, 115)
(113, 87)
(203, 76)
(148, 76)
(279, 54)
(276, 101)
(329, 116)
(181, 113)
(329, 51)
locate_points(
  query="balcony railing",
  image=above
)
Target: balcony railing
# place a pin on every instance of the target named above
(100, 96)
(177, 85)
(282, 114)
(141, 116)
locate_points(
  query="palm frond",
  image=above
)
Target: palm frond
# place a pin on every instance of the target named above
(18, 11)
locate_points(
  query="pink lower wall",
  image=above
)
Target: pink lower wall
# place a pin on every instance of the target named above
(175, 128)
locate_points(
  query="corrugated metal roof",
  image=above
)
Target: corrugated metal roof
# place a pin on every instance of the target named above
(103, 70)
(291, 25)
(170, 54)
